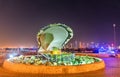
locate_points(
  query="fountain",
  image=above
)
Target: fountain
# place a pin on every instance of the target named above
(50, 59)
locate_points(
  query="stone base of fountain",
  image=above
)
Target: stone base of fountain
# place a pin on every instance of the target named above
(43, 69)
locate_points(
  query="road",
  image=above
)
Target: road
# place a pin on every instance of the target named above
(112, 70)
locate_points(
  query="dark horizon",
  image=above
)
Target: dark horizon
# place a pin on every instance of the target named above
(91, 20)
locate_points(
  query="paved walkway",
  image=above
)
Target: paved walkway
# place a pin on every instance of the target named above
(112, 70)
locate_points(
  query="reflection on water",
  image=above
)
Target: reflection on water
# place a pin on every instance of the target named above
(112, 70)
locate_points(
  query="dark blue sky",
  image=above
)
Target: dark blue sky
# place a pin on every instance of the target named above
(91, 20)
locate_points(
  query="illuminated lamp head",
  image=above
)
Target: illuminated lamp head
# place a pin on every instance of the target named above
(11, 56)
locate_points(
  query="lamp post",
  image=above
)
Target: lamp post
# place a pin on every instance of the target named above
(114, 30)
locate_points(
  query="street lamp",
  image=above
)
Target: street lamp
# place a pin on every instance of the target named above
(114, 30)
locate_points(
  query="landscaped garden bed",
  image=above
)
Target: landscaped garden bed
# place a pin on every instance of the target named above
(60, 64)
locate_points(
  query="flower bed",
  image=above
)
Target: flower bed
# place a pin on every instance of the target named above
(54, 60)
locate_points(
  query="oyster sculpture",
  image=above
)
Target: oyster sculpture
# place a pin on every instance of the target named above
(53, 37)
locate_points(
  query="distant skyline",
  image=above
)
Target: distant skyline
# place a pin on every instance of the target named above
(91, 20)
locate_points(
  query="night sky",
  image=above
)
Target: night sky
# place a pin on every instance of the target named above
(91, 20)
